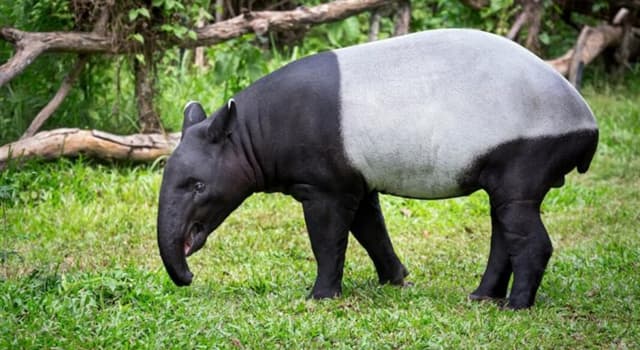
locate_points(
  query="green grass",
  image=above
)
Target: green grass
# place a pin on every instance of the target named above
(79, 266)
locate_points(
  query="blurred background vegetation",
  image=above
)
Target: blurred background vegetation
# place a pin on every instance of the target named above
(103, 97)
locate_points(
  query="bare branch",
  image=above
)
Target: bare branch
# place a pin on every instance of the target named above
(55, 102)
(80, 42)
(25, 54)
(30, 45)
(262, 21)
(517, 26)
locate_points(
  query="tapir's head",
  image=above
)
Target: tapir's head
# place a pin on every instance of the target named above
(204, 180)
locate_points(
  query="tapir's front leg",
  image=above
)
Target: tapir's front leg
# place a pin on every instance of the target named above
(369, 229)
(328, 219)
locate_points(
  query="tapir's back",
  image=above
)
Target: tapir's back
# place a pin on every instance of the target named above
(417, 110)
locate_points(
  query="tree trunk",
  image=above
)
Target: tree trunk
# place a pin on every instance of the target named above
(219, 10)
(374, 25)
(530, 16)
(403, 18)
(535, 8)
(148, 118)
(199, 60)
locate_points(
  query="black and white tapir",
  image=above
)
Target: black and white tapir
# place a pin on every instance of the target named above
(436, 114)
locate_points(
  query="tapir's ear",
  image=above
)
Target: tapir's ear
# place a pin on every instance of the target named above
(219, 128)
(193, 113)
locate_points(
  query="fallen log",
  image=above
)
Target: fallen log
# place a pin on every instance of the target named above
(72, 142)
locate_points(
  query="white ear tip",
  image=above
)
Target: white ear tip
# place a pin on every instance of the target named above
(230, 102)
(188, 104)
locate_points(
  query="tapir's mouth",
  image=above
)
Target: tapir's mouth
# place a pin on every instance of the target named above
(195, 239)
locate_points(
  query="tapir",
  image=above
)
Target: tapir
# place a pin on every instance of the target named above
(429, 115)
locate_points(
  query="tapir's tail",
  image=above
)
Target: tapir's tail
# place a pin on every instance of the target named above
(590, 149)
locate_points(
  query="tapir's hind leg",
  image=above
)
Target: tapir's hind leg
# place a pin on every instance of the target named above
(495, 280)
(370, 230)
(519, 243)
(517, 175)
(528, 246)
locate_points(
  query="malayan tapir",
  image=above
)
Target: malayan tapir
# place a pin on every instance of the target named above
(430, 115)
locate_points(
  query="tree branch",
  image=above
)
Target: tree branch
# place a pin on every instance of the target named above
(24, 55)
(261, 22)
(30, 45)
(57, 99)
(517, 26)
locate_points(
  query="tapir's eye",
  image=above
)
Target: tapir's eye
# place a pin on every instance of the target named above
(198, 187)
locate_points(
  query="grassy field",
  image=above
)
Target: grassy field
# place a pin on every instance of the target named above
(79, 265)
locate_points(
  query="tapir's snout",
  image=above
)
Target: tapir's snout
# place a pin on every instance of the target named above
(174, 258)
(172, 246)
(183, 279)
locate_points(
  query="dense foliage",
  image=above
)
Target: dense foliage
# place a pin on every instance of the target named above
(104, 96)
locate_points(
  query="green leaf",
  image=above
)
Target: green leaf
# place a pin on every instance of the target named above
(180, 31)
(140, 58)
(133, 14)
(143, 11)
(5, 192)
(192, 35)
(138, 37)
(544, 38)
(351, 28)
(167, 28)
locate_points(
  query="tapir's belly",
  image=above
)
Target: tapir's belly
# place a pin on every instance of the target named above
(417, 112)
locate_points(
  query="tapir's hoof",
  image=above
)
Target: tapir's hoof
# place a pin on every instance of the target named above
(477, 297)
(398, 279)
(509, 305)
(324, 294)
(406, 284)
